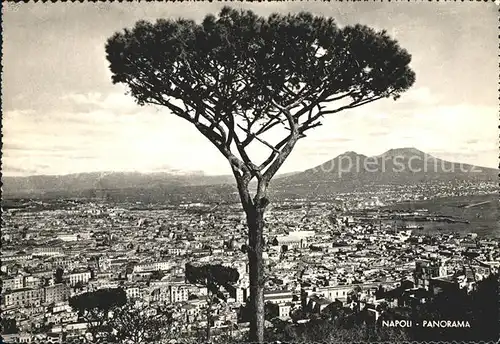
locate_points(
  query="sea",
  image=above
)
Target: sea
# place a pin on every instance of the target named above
(481, 212)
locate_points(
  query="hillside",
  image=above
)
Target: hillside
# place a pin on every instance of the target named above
(99, 181)
(396, 166)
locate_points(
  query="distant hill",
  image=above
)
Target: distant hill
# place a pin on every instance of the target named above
(82, 182)
(396, 166)
(100, 184)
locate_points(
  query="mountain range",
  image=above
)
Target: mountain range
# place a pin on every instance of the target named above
(344, 172)
(401, 166)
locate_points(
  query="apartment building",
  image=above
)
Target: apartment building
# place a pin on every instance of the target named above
(26, 297)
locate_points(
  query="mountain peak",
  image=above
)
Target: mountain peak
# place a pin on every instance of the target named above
(405, 152)
(351, 154)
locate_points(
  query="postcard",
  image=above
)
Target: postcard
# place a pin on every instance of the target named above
(250, 172)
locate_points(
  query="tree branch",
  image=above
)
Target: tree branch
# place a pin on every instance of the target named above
(309, 123)
(254, 136)
(269, 125)
(286, 150)
(352, 105)
(332, 99)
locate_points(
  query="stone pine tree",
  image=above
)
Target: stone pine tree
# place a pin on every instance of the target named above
(95, 307)
(214, 278)
(244, 80)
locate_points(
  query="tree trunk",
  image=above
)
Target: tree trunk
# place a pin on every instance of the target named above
(255, 221)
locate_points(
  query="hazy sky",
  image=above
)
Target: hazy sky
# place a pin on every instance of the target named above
(62, 114)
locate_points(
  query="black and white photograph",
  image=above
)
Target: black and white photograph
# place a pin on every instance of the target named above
(250, 172)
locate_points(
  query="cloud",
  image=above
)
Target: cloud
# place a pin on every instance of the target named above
(13, 147)
(106, 136)
(9, 169)
(379, 133)
(14, 170)
(421, 96)
(331, 140)
(113, 102)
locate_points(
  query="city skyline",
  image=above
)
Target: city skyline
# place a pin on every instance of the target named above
(404, 156)
(67, 117)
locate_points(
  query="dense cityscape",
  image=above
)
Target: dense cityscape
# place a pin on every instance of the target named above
(320, 254)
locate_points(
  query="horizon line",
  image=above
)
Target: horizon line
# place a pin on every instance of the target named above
(204, 174)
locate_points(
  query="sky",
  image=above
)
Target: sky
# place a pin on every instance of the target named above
(62, 114)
